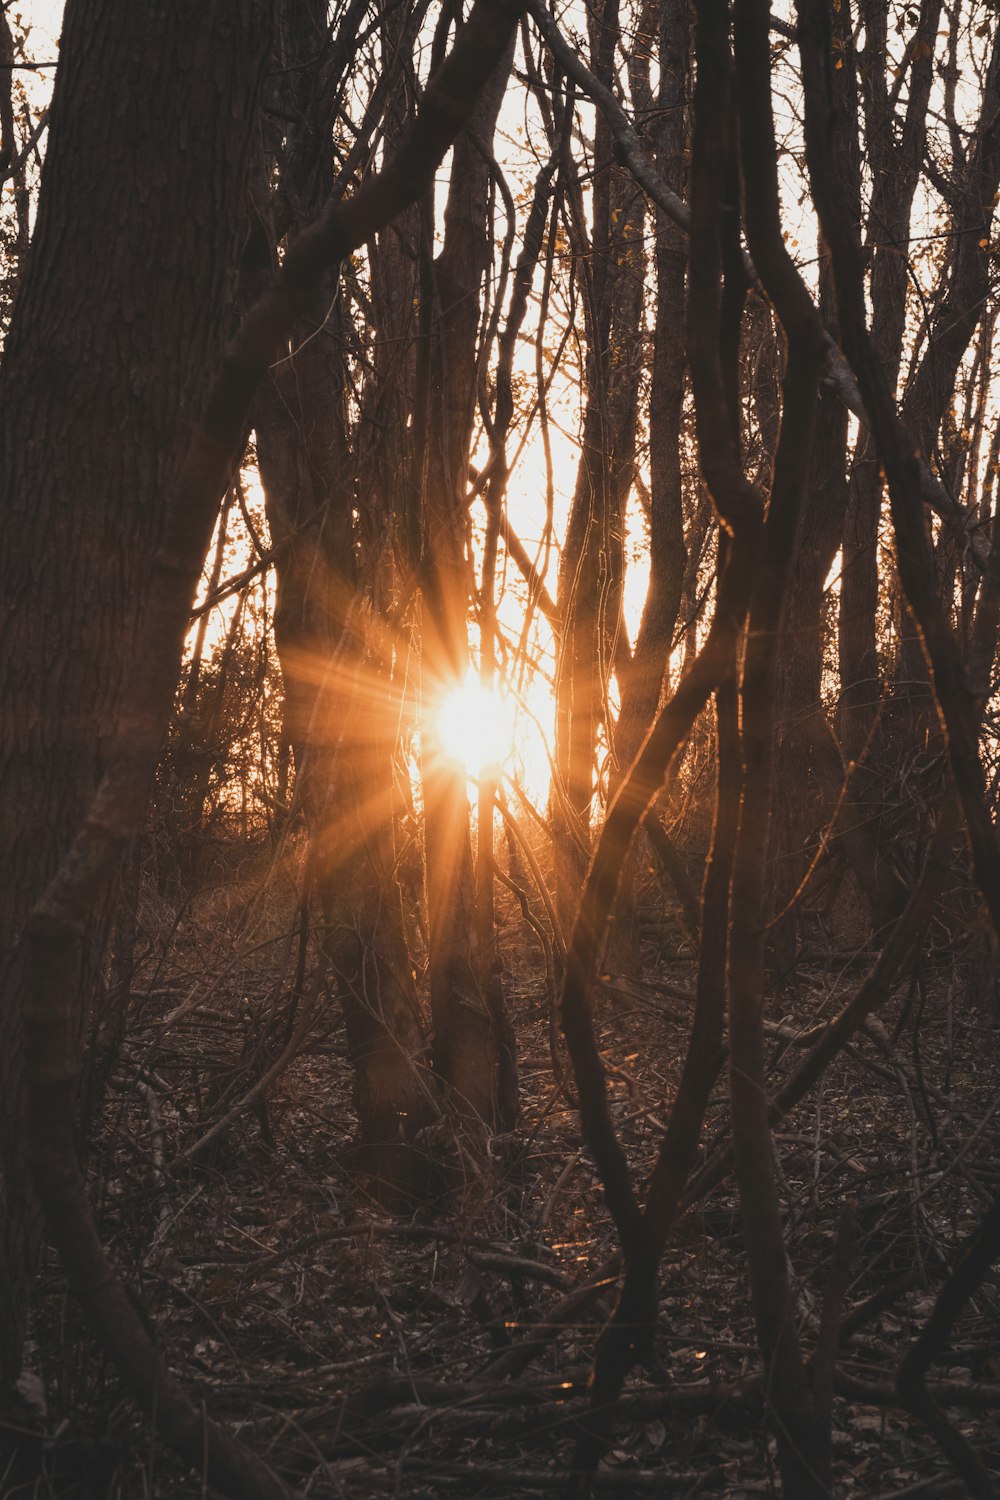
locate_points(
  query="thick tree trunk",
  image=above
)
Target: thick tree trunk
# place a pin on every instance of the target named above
(119, 320)
(56, 935)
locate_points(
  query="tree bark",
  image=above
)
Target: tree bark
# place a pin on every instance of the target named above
(119, 321)
(803, 1442)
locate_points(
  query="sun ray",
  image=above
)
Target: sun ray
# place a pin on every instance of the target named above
(475, 727)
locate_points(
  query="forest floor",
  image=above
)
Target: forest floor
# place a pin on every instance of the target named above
(365, 1354)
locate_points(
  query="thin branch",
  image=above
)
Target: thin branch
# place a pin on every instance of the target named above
(837, 373)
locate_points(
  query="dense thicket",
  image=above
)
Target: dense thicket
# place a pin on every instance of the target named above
(498, 514)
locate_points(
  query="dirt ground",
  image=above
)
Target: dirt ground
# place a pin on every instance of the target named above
(442, 1351)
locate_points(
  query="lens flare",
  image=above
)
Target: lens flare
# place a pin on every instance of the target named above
(475, 727)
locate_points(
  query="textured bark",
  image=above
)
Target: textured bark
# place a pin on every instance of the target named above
(120, 317)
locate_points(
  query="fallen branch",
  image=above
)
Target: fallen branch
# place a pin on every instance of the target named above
(626, 1482)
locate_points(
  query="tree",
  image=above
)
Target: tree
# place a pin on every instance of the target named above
(327, 581)
(473, 1041)
(60, 924)
(400, 350)
(120, 316)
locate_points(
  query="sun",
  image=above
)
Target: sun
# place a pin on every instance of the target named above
(474, 727)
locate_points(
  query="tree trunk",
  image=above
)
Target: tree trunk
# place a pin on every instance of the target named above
(349, 803)
(120, 315)
(339, 699)
(591, 571)
(474, 1049)
(645, 680)
(895, 171)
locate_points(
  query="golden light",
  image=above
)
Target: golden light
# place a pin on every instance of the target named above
(475, 727)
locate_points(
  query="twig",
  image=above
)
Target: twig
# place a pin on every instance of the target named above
(512, 1361)
(837, 374)
(281, 1062)
(519, 1265)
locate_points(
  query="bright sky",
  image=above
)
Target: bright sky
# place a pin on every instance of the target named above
(42, 19)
